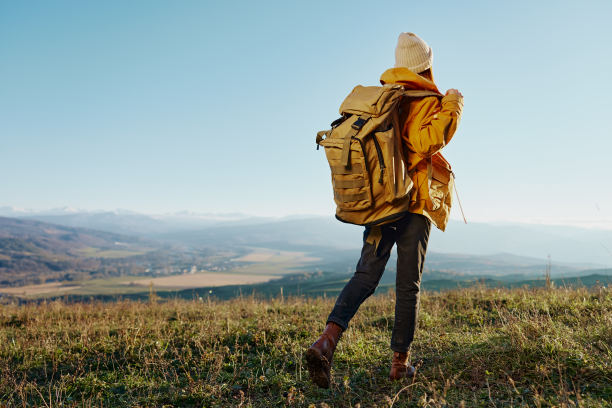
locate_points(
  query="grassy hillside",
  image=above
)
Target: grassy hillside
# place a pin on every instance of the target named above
(475, 347)
(36, 252)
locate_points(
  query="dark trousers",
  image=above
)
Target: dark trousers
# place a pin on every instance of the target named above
(411, 234)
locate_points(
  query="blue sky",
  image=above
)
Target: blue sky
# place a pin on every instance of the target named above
(159, 106)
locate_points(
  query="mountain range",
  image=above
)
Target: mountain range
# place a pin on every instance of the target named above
(73, 245)
(583, 246)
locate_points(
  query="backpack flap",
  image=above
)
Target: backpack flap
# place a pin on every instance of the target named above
(371, 100)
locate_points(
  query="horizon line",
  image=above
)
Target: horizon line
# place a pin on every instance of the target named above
(14, 211)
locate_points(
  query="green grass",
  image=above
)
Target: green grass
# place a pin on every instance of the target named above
(474, 347)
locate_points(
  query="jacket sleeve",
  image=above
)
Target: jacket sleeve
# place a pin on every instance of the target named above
(432, 124)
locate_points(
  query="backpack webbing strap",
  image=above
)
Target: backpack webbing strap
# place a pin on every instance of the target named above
(345, 159)
(374, 237)
(416, 93)
(349, 183)
(347, 198)
(355, 169)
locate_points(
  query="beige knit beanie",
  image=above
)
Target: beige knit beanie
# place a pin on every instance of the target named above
(413, 53)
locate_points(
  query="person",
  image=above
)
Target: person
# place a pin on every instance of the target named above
(429, 125)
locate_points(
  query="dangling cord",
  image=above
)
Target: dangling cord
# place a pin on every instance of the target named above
(460, 206)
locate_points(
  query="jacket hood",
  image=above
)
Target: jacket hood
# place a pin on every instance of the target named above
(408, 79)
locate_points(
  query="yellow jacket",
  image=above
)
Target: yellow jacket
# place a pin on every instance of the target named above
(429, 126)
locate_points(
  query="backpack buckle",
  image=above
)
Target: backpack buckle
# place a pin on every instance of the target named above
(338, 121)
(358, 124)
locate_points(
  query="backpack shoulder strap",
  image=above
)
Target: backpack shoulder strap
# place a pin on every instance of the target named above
(415, 93)
(418, 93)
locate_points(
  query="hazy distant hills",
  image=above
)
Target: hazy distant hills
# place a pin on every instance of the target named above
(583, 247)
(126, 222)
(65, 243)
(564, 244)
(59, 238)
(586, 247)
(33, 251)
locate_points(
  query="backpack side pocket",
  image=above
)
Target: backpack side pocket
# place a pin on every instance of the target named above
(392, 170)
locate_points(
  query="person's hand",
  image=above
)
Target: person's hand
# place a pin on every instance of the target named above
(453, 92)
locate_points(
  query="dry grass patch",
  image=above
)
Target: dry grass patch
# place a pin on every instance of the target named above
(475, 348)
(31, 290)
(199, 280)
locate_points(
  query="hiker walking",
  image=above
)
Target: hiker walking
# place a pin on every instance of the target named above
(388, 174)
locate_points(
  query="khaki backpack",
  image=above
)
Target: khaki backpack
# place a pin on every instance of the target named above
(369, 172)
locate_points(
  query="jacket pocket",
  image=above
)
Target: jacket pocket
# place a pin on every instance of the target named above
(440, 192)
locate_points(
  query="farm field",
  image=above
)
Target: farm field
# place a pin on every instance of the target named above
(111, 253)
(257, 266)
(275, 256)
(204, 279)
(475, 347)
(141, 284)
(43, 288)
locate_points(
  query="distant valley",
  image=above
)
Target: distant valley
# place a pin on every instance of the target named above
(112, 254)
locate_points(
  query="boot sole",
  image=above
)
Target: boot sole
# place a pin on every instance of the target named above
(317, 368)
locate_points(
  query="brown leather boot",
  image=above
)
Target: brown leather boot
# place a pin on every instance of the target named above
(400, 367)
(319, 355)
